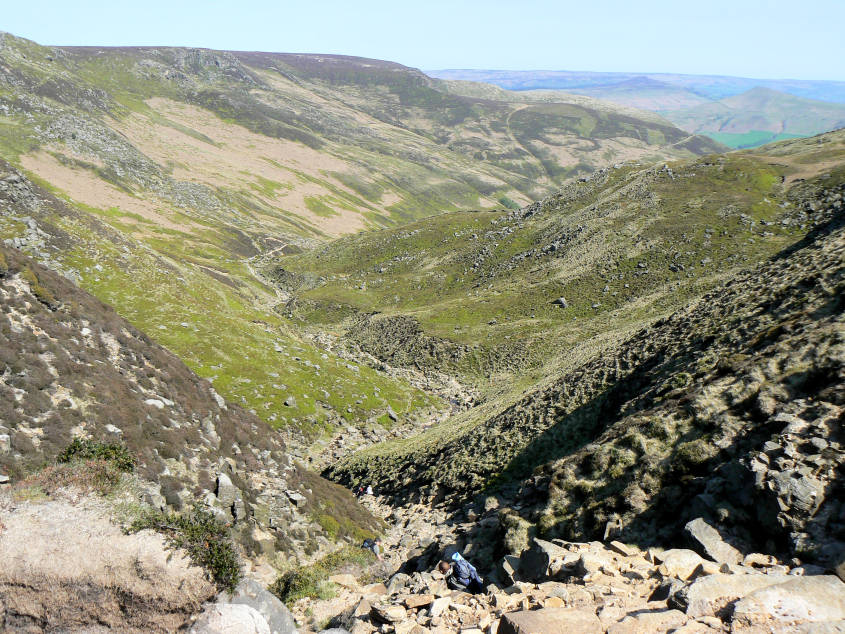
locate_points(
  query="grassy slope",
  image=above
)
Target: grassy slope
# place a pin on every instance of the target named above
(711, 215)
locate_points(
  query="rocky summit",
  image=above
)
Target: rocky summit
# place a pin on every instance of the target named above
(281, 334)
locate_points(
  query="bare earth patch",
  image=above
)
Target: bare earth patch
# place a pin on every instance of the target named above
(64, 564)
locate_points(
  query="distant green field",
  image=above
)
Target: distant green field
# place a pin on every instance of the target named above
(748, 139)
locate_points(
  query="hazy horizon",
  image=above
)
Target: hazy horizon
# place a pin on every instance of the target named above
(758, 39)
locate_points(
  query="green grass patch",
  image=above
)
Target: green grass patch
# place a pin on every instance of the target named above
(318, 207)
(753, 138)
(312, 580)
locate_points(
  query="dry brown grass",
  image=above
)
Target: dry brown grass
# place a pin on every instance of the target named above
(84, 186)
(97, 476)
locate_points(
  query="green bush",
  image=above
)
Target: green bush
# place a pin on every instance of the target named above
(206, 541)
(4, 266)
(313, 580)
(329, 524)
(84, 449)
(509, 203)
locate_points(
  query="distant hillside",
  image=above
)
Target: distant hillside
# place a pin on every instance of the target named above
(737, 112)
(759, 115)
(471, 293)
(713, 87)
(644, 93)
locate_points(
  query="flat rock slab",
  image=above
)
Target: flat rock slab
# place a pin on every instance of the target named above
(388, 613)
(708, 596)
(418, 600)
(374, 589)
(711, 543)
(648, 621)
(831, 627)
(345, 580)
(799, 600)
(551, 621)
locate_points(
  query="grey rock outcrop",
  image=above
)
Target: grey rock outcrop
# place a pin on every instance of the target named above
(226, 618)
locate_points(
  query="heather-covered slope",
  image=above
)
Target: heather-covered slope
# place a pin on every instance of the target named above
(71, 367)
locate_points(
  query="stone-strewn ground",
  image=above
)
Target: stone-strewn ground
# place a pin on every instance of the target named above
(561, 586)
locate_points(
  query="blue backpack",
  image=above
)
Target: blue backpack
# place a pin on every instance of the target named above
(464, 571)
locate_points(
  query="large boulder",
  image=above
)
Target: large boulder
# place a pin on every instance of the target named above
(67, 564)
(679, 563)
(534, 562)
(251, 593)
(226, 618)
(551, 621)
(710, 542)
(388, 613)
(801, 599)
(226, 491)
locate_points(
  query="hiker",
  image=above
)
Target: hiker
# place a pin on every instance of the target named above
(369, 489)
(461, 575)
(360, 491)
(375, 546)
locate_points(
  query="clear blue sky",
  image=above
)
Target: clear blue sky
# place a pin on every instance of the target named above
(752, 38)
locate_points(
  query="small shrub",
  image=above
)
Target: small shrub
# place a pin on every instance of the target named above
(659, 428)
(680, 381)
(85, 449)
(329, 524)
(518, 532)
(41, 292)
(206, 541)
(508, 203)
(691, 455)
(4, 266)
(621, 459)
